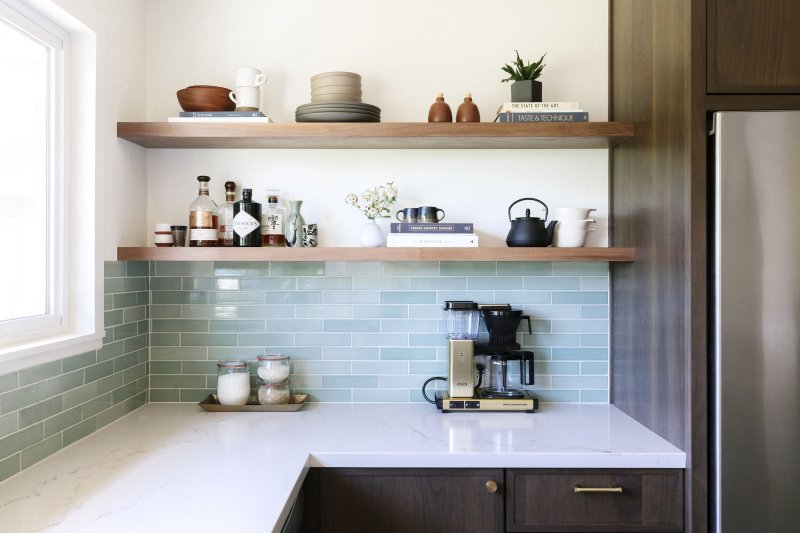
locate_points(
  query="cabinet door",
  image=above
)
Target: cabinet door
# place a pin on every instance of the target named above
(594, 500)
(409, 500)
(753, 46)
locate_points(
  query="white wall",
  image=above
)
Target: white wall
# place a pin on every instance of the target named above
(406, 52)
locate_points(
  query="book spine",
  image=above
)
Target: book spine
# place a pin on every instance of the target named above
(210, 114)
(539, 106)
(432, 228)
(219, 119)
(394, 240)
(565, 116)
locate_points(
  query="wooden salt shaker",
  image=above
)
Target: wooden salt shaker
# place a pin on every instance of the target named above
(468, 111)
(440, 111)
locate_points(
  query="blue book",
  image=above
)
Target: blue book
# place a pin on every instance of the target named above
(225, 114)
(432, 227)
(557, 116)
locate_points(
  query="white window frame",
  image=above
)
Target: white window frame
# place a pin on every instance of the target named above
(77, 300)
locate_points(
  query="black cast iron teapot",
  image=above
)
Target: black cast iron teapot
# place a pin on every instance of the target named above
(528, 230)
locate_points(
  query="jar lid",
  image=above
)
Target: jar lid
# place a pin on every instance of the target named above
(285, 383)
(273, 357)
(232, 364)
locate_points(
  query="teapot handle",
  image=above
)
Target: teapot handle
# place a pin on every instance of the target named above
(546, 210)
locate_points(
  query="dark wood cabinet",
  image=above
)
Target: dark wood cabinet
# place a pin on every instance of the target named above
(356, 500)
(594, 500)
(753, 46)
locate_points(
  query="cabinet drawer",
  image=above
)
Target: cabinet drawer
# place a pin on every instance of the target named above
(547, 500)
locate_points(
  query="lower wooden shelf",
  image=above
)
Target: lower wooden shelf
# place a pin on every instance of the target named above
(375, 254)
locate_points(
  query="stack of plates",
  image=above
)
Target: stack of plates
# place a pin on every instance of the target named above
(336, 87)
(337, 112)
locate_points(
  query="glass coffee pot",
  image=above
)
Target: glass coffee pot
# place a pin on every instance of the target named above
(503, 381)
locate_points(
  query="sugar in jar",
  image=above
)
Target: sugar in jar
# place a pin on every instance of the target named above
(233, 382)
(273, 368)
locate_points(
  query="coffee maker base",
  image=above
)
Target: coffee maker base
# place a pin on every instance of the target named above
(446, 404)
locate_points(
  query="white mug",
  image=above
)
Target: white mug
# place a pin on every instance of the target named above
(249, 77)
(246, 98)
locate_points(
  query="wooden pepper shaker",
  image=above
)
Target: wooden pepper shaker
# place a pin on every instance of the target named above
(468, 111)
(440, 111)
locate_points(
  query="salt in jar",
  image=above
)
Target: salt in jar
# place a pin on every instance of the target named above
(273, 393)
(233, 382)
(273, 368)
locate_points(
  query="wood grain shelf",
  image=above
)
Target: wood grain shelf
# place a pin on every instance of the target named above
(376, 254)
(376, 135)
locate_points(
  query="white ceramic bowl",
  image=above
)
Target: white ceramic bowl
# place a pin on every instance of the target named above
(571, 213)
(335, 73)
(337, 89)
(570, 238)
(336, 80)
(574, 224)
(335, 98)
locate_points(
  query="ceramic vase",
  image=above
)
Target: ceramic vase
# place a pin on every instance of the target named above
(526, 91)
(371, 235)
(294, 227)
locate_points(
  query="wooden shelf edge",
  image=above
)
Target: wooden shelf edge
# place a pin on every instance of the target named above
(376, 254)
(375, 135)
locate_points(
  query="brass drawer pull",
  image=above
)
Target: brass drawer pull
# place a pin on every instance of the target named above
(491, 487)
(589, 490)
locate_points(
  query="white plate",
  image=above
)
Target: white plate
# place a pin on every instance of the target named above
(337, 89)
(335, 98)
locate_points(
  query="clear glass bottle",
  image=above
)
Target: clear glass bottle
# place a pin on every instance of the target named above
(226, 216)
(203, 213)
(247, 221)
(273, 219)
(233, 382)
(273, 393)
(273, 368)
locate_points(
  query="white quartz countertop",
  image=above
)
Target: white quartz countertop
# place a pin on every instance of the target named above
(175, 467)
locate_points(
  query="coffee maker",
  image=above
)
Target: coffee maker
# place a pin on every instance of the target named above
(470, 385)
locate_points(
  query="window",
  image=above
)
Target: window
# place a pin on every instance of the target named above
(50, 298)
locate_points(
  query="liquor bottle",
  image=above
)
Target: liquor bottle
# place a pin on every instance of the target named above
(226, 216)
(272, 221)
(203, 223)
(247, 221)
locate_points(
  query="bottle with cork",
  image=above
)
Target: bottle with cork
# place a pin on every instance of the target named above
(203, 217)
(226, 216)
(440, 111)
(468, 111)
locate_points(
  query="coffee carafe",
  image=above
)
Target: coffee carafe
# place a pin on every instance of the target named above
(502, 382)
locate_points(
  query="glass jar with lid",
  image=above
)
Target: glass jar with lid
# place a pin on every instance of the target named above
(233, 382)
(273, 393)
(273, 368)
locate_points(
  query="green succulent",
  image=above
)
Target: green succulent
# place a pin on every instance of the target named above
(520, 71)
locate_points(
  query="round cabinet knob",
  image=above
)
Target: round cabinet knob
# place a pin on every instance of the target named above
(491, 486)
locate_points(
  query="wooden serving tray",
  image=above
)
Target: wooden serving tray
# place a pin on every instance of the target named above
(296, 402)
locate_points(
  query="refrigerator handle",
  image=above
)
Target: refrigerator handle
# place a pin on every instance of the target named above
(712, 125)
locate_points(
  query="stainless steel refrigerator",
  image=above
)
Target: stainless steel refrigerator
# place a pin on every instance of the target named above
(755, 365)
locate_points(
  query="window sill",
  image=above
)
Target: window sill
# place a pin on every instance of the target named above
(27, 354)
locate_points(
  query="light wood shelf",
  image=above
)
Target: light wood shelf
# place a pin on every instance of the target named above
(460, 135)
(376, 254)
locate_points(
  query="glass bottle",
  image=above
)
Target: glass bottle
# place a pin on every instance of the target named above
(273, 218)
(226, 216)
(203, 223)
(247, 221)
(233, 382)
(294, 228)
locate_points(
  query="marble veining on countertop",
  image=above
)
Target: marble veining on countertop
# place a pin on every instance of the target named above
(175, 467)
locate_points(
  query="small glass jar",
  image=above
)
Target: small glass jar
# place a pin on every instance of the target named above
(233, 382)
(273, 368)
(273, 393)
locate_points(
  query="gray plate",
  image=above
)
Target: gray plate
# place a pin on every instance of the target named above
(334, 109)
(332, 116)
(347, 105)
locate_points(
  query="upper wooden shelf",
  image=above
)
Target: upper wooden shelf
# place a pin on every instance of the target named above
(375, 135)
(375, 254)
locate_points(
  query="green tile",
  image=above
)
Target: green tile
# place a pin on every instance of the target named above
(9, 382)
(252, 297)
(408, 297)
(79, 395)
(551, 283)
(408, 354)
(558, 396)
(306, 382)
(8, 424)
(594, 284)
(241, 269)
(350, 269)
(166, 284)
(426, 339)
(379, 367)
(326, 284)
(349, 382)
(179, 297)
(79, 431)
(110, 350)
(124, 299)
(78, 361)
(125, 331)
(382, 283)
(208, 339)
(112, 285)
(291, 297)
(137, 268)
(428, 368)
(108, 302)
(322, 339)
(177, 381)
(238, 326)
(184, 268)
(494, 283)
(351, 297)
(134, 344)
(183, 353)
(134, 373)
(597, 367)
(411, 268)
(210, 284)
(345, 325)
(165, 311)
(580, 326)
(164, 395)
(468, 268)
(179, 325)
(126, 361)
(269, 284)
(524, 269)
(409, 326)
(39, 373)
(324, 311)
(38, 412)
(20, 440)
(426, 311)
(328, 396)
(552, 311)
(134, 284)
(401, 382)
(126, 392)
(582, 297)
(594, 396)
(555, 368)
(594, 340)
(321, 367)
(197, 367)
(165, 367)
(120, 410)
(523, 297)
(439, 284)
(263, 311)
(307, 353)
(109, 383)
(580, 269)
(113, 269)
(380, 311)
(165, 339)
(59, 423)
(381, 395)
(579, 382)
(98, 371)
(350, 353)
(475, 296)
(9, 467)
(297, 269)
(143, 298)
(551, 339)
(22, 397)
(40, 451)
(194, 395)
(98, 405)
(594, 311)
(134, 314)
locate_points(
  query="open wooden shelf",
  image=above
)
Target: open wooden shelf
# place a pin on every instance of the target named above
(375, 254)
(375, 135)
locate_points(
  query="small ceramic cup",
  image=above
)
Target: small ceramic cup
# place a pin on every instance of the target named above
(249, 77)
(310, 235)
(430, 214)
(246, 98)
(409, 214)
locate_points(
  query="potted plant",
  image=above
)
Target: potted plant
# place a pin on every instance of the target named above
(525, 88)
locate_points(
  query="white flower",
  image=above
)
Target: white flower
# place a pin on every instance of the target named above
(351, 199)
(375, 202)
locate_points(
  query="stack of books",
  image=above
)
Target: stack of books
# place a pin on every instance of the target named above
(541, 112)
(432, 235)
(220, 116)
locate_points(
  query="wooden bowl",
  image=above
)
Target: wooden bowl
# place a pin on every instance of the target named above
(205, 98)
